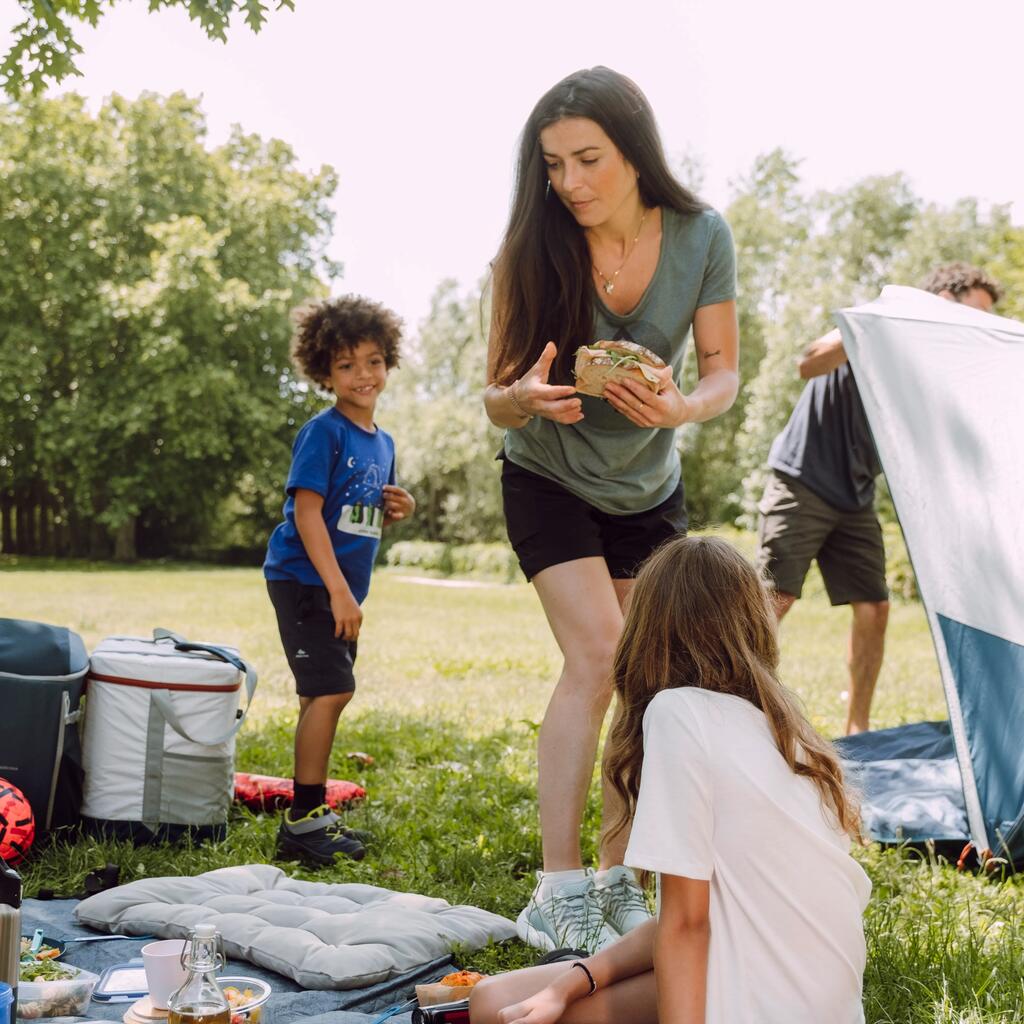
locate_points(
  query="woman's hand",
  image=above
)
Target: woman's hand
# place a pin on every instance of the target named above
(668, 408)
(546, 1007)
(556, 402)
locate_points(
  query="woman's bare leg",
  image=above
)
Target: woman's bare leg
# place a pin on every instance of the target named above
(631, 1001)
(582, 608)
(613, 848)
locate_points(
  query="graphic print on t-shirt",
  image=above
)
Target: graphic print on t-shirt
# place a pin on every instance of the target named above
(362, 508)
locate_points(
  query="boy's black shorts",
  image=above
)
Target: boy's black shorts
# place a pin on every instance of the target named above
(548, 525)
(321, 664)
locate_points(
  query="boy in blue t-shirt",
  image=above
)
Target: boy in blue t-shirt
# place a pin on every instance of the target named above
(341, 492)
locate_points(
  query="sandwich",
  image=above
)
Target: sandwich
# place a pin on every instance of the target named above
(603, 361)
(451, 988)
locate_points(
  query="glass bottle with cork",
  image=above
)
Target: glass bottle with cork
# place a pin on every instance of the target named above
(200, 1000)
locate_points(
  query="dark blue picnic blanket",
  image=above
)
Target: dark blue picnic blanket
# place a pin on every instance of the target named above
(288, 1003)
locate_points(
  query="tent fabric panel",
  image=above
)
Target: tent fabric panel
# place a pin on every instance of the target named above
(940, 384)
(989, 674)
(941, 387)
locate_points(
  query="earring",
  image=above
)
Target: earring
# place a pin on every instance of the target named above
(547, 190)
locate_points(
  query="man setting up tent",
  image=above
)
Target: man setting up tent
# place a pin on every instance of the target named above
(819, 499)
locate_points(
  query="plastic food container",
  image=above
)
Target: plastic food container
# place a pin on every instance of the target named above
(66, 997)
(249, 1011)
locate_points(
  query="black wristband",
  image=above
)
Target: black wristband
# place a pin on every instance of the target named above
(583, 967)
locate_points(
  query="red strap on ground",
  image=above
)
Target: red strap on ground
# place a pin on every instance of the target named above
(961, 863)
(268, 792)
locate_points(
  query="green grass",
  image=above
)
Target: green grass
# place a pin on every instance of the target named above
(452, 682)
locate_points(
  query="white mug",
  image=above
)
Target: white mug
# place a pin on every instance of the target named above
(164, 973)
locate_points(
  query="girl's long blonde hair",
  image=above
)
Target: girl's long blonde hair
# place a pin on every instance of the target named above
(701, 616)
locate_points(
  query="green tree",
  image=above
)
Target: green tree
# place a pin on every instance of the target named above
(800, 256)
(961, 232)
(840, 256)
(44, 47)
(768, 218)
(51, 259)
(849, 245)
(445, 444)
(1007, 264)
(144, 293)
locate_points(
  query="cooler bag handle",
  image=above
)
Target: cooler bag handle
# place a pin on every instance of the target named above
(163, 702)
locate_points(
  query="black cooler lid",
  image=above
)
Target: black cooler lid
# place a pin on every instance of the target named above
(37, 649)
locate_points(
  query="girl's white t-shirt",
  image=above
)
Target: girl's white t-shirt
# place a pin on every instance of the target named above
(717, 802)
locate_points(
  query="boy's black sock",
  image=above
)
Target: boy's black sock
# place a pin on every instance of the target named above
(307, 798)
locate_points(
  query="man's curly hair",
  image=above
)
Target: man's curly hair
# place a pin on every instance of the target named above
(323, 329)
(958, 279)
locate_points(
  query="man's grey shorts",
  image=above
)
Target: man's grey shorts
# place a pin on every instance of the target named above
(795, 526)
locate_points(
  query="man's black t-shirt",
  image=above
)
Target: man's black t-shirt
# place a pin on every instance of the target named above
(827, 443)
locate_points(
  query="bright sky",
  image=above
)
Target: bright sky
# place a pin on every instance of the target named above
(418, 105)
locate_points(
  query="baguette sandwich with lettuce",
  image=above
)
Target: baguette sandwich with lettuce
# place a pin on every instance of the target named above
(605, 361)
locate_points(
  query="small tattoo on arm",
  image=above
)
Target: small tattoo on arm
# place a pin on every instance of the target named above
(711, 355)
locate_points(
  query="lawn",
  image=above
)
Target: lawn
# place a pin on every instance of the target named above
(453, 681)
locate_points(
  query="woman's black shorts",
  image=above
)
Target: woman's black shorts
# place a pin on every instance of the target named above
(548, 525)
(321, 663)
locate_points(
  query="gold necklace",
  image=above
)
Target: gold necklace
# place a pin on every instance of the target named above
(608, 283)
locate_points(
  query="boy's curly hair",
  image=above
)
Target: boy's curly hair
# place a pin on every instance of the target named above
(325, 328)
(958, 279)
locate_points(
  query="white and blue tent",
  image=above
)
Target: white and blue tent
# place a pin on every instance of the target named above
(943, 388)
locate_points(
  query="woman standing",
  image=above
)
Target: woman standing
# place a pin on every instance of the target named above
(602, 243)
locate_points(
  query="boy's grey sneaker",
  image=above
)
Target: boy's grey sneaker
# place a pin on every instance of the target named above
(318, 837)
(358, 834)
(566, 915)
(621, 898)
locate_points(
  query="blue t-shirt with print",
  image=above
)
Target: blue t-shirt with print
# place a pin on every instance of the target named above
(349, 466)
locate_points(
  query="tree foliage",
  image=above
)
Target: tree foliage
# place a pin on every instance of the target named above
(767, 220)
(144, 287)
(44, 46)
(838, 249)
(145, 281)
(800, 256)
(446, 445)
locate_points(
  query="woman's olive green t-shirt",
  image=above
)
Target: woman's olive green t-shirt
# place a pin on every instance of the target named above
(605, 459)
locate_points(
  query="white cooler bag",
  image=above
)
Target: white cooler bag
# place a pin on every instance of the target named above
(159, 744)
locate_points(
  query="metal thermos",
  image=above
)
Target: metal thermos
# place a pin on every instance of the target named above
(10, 930)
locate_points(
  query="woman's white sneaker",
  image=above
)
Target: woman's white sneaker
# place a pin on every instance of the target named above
(621, 899)
(565, 913)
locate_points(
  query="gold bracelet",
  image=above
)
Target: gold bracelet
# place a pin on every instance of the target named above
(514, 399)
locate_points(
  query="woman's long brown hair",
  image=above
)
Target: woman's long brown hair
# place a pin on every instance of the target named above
(542, 276)
(701, 616)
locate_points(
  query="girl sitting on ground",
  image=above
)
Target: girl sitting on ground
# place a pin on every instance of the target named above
(739, 807)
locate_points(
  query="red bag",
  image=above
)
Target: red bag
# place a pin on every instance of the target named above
(267, 792)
